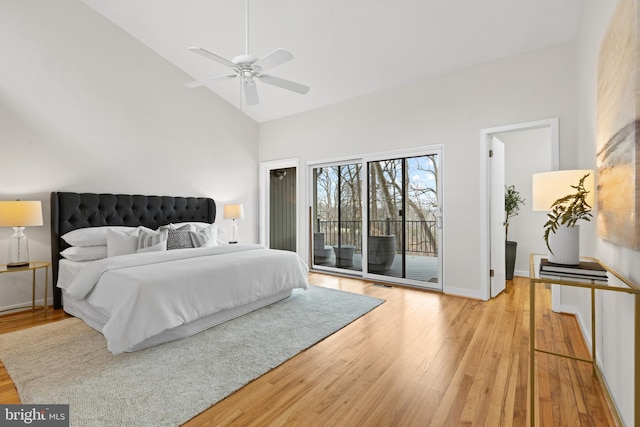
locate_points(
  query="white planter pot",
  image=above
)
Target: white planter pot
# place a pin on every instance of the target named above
(565, 245)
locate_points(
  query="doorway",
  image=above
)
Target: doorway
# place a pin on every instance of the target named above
(528, 148)
(282, 209)
(279, 213)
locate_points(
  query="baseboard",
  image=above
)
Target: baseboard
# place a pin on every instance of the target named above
(21, 306)
(569, 309)
(461, 292)
(521, 273)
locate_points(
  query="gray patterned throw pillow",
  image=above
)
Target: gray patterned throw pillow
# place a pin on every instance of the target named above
(180, 238)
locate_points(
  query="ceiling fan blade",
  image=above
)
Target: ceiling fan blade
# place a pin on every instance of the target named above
(273, 59)
(212, 56)
(250, 92)
(284, 84)
(203, 82)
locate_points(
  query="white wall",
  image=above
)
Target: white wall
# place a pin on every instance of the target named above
(449, 109)
(616, 312)
(86, 107)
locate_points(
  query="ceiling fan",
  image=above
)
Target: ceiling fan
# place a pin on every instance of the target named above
(249, 68)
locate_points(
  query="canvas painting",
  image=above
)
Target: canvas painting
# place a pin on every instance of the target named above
(618, 129)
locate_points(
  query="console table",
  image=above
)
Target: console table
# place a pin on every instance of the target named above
(593, 285)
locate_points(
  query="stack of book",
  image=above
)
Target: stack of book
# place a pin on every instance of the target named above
(585, 270)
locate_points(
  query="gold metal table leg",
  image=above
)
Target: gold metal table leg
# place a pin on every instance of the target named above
(33, 290)
(636, 406)
(532, 352)
(46, 289)
(593, 331)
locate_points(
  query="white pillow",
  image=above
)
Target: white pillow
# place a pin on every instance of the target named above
(205, 236)
(91, 236)
(196, 226)
(148, 238)
(162, 246)
(121, 242)
(87, 253)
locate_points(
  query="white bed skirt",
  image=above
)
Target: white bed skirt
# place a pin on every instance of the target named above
(93, 317)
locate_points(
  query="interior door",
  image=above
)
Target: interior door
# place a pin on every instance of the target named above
(282, 209)
(497, 236)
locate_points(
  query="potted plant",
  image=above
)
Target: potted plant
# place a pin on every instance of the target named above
(561, 231)
(512, 202)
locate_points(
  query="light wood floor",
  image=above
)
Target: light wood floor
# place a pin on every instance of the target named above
(420, 359)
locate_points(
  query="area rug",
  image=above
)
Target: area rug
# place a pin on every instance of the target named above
(68, 362)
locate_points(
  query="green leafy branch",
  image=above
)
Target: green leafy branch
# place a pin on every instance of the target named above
(568, 210)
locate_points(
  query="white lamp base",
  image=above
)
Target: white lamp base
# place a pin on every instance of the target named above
(234, 232)
(565, 244)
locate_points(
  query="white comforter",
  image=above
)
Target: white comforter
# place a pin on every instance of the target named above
(145, 294)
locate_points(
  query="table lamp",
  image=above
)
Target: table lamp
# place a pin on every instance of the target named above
(19, 214)
(233, 212)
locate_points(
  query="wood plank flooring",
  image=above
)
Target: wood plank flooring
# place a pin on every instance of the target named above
(420, 359)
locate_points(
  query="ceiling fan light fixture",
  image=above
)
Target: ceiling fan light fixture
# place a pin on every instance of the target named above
(248, 67)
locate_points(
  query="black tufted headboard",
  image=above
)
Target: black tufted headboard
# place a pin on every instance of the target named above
(80, 210)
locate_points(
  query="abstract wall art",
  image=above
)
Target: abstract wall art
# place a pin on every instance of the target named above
(618, 129)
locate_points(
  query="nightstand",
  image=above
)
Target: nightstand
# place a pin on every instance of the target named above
(33, 267)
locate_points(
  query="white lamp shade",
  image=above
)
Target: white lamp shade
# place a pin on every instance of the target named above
(233, 212)
(551, 186)
(19, 213)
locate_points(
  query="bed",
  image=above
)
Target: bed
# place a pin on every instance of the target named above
(143, 299)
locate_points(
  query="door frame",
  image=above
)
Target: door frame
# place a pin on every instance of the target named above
(485, 185)
(265, 197)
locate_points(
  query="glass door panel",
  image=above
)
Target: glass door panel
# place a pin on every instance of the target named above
(421, 225)
(348, 251)
(403, 219)
(386, 202)
(337, 209)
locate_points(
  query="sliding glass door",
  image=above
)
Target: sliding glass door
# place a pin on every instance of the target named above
(337, 213)
(404, 219)
(394, 232)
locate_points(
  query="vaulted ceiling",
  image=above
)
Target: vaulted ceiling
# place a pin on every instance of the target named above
(342, 48)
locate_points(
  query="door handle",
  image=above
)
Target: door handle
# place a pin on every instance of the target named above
(438, 215)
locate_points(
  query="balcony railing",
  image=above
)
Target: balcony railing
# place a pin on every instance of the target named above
(421, 235)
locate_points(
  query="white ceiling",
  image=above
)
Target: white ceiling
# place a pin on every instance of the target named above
(342, 48)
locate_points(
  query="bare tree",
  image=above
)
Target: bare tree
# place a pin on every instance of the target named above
(338, 188)
(420, 199)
